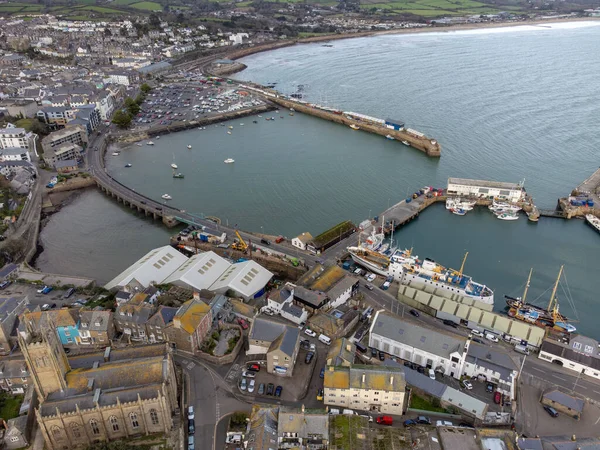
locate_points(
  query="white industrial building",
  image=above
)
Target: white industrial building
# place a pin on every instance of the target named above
(245, 279)
(366, 388)
(152, 268)
(199, 272)
(578, 353)
(425, 347)
(462, 187)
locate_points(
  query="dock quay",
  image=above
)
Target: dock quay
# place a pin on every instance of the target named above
(584, 199)
(385, 128)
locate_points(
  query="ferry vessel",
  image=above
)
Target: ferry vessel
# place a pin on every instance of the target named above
(548, 317)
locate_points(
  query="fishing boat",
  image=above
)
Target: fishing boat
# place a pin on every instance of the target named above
(115, 153)
(507, 216)
(157, 137)
(230, 127)
(458, 211)
(178, 175)
(166, 196)
(541, 317)
(128, 165)
(189, 147)
(149, 143)
(138, 144)
(497, 206)
(593, 221)
(370, 259)
(229, 132)
(391, 138)
(241, 124)
(406, 143)
(229, 161)
(457, 203)
(355, 127)
(173, 165)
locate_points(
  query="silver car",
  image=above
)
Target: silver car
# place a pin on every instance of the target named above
(243, 384)
(251, 385)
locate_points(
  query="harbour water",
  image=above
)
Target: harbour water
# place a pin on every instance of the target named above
(505, 104)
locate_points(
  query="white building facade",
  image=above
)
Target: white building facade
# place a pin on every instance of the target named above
(14, 138)
(301, 240)
(580, 354)
(462, 187)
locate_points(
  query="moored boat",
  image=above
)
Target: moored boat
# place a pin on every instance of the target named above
(229, 161)
(149, 143)
(355, 127)
(128, 165)
(406, 143)
(189, 147)
(178, 175)
(507, 216)
(593, 221)
(166, 196)
(391, 138)
(458, 211)
(173, 165)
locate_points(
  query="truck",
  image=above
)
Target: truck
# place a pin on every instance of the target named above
(385, 420)
(522, 349)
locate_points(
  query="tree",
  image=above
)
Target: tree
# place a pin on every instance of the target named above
(122, 119)
(132, 107)
(107, 32)
(145, 88)
(154, 20)
(239, 418)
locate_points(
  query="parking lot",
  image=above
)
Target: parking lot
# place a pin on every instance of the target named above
(184, 102)
(54, 297)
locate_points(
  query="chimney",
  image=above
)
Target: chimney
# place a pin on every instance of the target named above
(363, 378)
(196, 295)
(392, 379)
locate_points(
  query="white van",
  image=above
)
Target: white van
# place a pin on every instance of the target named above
(349, 412)
(334, 412)
(431, 374)
(491, 337)
(521, 349)
(324, 339)
(477, 333)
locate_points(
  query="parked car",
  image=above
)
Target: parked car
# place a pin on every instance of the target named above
(373, 352)
(443, 423)
(69, 292)
(409, 423)
(465, 425)
(497, 397)
(479, 341)
(313, 348)
(309, 357)
(243, 384)
(450, 323)
(491, 337)
(466, 384)
(310, 332)
(424, 420)
(320, 394)
(254, 368)
(421, 369)
(47, 290)
(190, 442)
(322, 374)
(371, 277)
(190, 413)
(431, 374)
(385, 420)
(476, 333)
(265, 241)
(191, 427)
(550, 410)
(278, 391)
(5, 284)
(489, 387)
(251, 385)
(45, 307)
(243, 323)
(261, 388)
(414, 312)
(40, 290)
(248, 374)
(381, 356)
(370, 287)
(305, 344)
(270, 388)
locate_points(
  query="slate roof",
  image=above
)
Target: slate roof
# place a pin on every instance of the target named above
(66, 163)
(8, 305)
(486, 357)
(267, 330)
(13, 368)
(52, 318)
(291, 420)
(262, 428)
(341, 286)
(87, 360)
(292, 309)
(574, 403)
(412, 335)
(312, 298)
(96, 320)
(164, 315)
(338, 352)
(287, 341)
(567, 351)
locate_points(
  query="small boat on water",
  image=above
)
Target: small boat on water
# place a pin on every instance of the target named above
(507, 216)
(259, 115)
(458, 211)
(291, 114)
(255, 121)
(391, 138)
(138, 144)
(149, 143)
(230, 127)
(355, 127)
(189, 147)
(178, 175)
(166, 196)
(406, 143)
(292, 109)
(229, 161)
(128, 165)
(593, 221)
(157, 137)
(116, 154)
(173, 165)
(241, 124)
(229, 132)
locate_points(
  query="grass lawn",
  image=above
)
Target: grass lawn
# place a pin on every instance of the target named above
(10, 8)
(9, 405)
(421, 403)
(123, 2)
(148, 6)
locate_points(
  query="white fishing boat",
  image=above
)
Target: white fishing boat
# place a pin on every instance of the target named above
(189, 147)
(406, 143)
(507, 216)
(229, 161)
(355, 127)
(128, 165)
(230, 127)
(157, 137)
(173, 165)
(166, 196)
(138, 144)
(458, 211)
(115, 153)
(149, 143)
(229, 132)
(241, 124)
(504, 206)
(391, 138)
(593, 221)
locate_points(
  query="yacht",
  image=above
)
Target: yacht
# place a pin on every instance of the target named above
(507, 216)
(174, 166)
(189, 147)
(166, 197)
(149, 143)
(229, 161)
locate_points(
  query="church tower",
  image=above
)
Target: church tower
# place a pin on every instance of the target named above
(46, 360)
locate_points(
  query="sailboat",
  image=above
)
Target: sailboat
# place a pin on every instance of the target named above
(549, 317)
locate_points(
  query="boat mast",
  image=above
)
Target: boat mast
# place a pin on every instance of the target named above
(462, 266)
(552, 297)
(527, 285)
(392, 235)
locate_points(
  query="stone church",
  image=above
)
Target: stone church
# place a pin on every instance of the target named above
(101, 396)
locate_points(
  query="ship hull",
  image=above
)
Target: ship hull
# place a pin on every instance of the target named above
(369, 265)
(419, 282)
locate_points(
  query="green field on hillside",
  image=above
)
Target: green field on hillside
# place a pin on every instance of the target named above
(147, 6)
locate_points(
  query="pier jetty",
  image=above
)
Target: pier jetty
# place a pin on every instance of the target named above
(386, 128)
(584, 199)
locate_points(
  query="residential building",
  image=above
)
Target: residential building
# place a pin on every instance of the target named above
(423, 346)
(332, 281)
(17, 433)
(20, 108)
(341, 353)
(125, 78)
(153, 293)
(263, 332)
(497, 367)
(334, 323)
(343, 290)
(87, 116)
(299, 429)
(157, 324)
(56, 115)
(302, 240)
(366, 388)
(14, 376)
(11, 60)
(96, 328)
(463, 187)
(310, 300)
(154, 267)
(282, 353)
(10, 309)
(130, 318)
(70, 134)
(191, 324)
(67, 152)
(14, 154)
(281, 302)
(10, 168)
(564, 403)
(238, 38)
(70, 165)
(64, 322)
(10, 271)
(136, 388)
(262, 428)
(578, 353)
(11, 137)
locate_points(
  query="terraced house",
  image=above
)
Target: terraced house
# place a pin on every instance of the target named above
(102, 396)
(64, 321)
(190, 325)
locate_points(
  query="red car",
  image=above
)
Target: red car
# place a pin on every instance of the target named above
(254, 368)
(497, 397)
(243, 324)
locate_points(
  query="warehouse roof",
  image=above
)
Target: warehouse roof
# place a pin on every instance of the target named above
(200, 271)
(246, 278)
(485, 183)
(154, 266)
(415, 336)
(486, 357)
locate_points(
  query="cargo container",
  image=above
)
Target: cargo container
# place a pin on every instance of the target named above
(346, 265)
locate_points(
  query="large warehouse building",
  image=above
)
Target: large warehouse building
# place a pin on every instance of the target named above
(463, 187)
